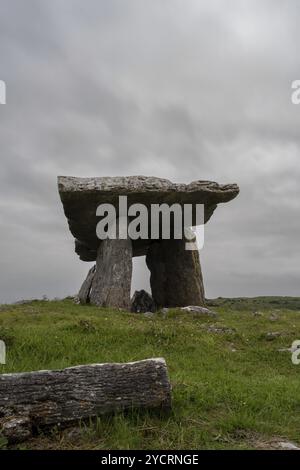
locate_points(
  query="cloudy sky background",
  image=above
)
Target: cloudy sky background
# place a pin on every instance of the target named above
(178, 89)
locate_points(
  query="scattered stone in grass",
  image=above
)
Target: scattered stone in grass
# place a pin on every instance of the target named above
(287, 446)
(257, 314)
(70, 297)
(148, 314)
(274, 444)
(273, 317)
(142, 302)
(272, 335)
(221, 329)
(261, 442)
(199, 310)
(165, 311)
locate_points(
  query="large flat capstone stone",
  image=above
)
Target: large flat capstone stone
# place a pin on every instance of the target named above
(81, 197)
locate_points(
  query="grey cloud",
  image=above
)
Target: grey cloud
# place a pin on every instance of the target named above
(182, 90)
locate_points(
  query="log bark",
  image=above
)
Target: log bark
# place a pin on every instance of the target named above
(31, 401)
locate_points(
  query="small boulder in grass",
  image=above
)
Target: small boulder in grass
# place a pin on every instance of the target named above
(199, 310)
(165, 311)
(221, 329)
(148, 314)
(142, 302)
(257, 314)
(272, 335)
(288, 446)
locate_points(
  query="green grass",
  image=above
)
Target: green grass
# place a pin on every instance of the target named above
(230, 390)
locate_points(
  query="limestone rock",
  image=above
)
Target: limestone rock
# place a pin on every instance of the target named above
(84, 293)
(112, 279)
(81, 196)
(288, 446)
(272, 335)
(176, 278)
(142, 302)
(221, 329)
(199, 310)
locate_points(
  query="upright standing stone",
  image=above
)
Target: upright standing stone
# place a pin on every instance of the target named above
(84, 293)
(112, 279)
(176, 277)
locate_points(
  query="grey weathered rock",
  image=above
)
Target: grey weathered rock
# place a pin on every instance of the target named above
(84, 293)
(199, 310)
(33, 401)
(142, 302)
(176, 278)
(221, 329)
(112, 279)
(287, 446)
(81, 197)
(272, 335)
(148, 314)
(165, 311)
(257, 314)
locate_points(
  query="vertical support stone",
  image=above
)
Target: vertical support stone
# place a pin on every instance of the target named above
(112, 279)
(84, 293)
(176, 277)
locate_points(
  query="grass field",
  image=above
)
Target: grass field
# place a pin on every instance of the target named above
(232, 388)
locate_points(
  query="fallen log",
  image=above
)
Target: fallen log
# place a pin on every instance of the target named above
(33, 401)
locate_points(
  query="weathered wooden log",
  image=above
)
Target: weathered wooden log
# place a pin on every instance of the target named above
(33, 401)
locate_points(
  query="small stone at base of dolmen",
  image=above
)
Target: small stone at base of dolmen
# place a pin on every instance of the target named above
(142, 302)
(148, 314)
(165, 311)
(199, 310)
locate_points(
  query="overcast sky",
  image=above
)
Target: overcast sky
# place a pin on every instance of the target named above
(178, 89)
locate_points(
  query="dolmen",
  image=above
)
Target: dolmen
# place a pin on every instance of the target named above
(175, 271)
